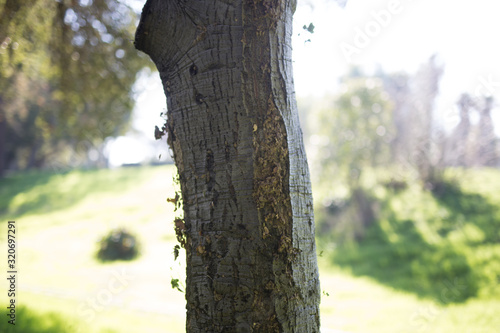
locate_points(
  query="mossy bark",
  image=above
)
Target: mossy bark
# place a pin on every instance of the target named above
(234, 132)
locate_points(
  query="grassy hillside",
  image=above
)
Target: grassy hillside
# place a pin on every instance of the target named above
(442, 244)
(391, 281)
(60, 219)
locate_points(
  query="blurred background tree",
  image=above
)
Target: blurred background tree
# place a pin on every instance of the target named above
(66, 72)
(362, 123)
(352, 133)
(487, 150)
(394, 189)
(386, 125)
(422, 137)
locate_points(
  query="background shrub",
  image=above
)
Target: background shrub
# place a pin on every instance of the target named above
(119, 244)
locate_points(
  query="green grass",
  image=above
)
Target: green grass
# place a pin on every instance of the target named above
(42, 192)
(60, 220)
(442, 247)
(363, 304)
(28, 321)
(390, 282)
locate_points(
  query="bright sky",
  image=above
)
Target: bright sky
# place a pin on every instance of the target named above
(397, 35)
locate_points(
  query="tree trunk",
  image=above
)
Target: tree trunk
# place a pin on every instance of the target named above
(233, 127)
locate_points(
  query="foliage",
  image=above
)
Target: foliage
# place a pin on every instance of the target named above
(386, 120)
(28, 321)
(346, 220)
(442, 245)
(353, 131)
(65, 77)
(176, 285)
(119, 244)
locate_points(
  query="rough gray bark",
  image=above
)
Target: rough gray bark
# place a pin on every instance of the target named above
(233, 127)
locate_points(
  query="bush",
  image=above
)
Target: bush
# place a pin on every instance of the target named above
(119, 244)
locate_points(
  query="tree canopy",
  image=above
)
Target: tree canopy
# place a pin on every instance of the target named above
(66, 71)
